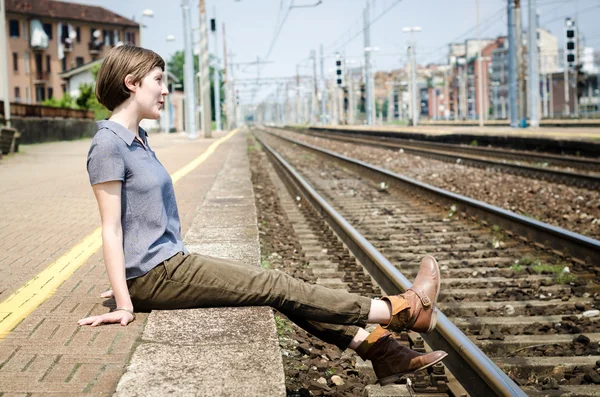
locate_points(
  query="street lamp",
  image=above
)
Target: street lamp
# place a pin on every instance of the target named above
(413, 71)
(167, 100)
(148, 13)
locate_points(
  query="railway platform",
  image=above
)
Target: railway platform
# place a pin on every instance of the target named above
(50, 236)
(580, 141)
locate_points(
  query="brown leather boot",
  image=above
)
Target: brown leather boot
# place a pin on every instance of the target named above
(415, 309)
(391, 360)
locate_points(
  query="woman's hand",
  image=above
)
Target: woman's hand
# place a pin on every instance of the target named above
(118, 316)
(109, 318)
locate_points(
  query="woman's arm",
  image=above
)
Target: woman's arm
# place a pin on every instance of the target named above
(108, 195)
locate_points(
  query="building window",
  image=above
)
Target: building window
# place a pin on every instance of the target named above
(79, 61)
(17, 94)
(48, 30)
(38, 63)
(78, 31)
(48, 69)
(64, 88)
(14, 28)
(130, 38)
(64, 32)
(64, 63)
(40, 93)
(15, 62)
(50, 92)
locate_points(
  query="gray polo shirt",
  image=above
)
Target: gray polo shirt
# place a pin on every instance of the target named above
(149, 216)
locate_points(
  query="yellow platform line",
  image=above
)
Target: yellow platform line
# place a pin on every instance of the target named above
(37, 290)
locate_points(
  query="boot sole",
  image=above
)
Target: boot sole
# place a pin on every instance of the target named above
(434, 315)
(396, 377)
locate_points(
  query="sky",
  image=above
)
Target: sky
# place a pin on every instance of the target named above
(251, 27)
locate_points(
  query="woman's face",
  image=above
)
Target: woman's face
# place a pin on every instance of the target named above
(150, 94)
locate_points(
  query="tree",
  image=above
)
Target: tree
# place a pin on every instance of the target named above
(176, 67)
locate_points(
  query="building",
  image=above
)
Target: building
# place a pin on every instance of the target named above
(462, 59)
(46, 38)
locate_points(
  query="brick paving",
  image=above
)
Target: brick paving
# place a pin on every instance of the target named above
(46, 207)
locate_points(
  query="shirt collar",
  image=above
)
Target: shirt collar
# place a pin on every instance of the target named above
(122, 132)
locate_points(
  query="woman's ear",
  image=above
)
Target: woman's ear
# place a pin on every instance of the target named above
(132, 87)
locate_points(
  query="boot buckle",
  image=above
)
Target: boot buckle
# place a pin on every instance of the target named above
(423, 297)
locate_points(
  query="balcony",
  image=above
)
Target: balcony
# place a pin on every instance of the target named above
(95, 47)
(41, 77)
(67, 44)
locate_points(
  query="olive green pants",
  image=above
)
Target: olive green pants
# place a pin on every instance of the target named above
(195, 281)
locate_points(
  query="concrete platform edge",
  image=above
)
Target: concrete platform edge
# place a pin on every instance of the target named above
(213, 351)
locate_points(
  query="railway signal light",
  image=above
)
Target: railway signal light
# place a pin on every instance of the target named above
(339, 74)
(571, 46)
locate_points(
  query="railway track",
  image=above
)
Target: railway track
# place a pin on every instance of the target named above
(531, 164)
(508, 292)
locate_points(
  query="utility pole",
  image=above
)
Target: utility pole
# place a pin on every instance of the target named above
(204, 74)
(234, 115)
(351, 104)
(415, 105)
(226, 82)
(479, 67)
(188, 71)
(520, 64)
(512, 64)
(217, 88)
(390, 106)
(534, 77)
(368, 77)
(4, 65)
(323, 89)
(409, 82)
(297, 94)
(315, 90)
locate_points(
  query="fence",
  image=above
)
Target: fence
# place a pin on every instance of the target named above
(23, 110)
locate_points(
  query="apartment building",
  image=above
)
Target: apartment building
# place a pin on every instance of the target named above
(46, 38)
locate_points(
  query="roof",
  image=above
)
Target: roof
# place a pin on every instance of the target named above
(74, 11)
(87, 66)
(80, 69)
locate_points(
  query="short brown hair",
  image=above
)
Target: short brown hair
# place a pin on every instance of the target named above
(120, 61)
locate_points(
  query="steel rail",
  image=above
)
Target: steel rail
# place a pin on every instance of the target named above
(554, 159)
(568, 244)
(568, 178)
(476, 372)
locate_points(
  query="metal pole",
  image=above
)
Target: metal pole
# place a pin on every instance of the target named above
(566, 85)
(188, 71)
(297, 94)
(4, 65)
(228, 113)
(409, 81)
(351, 100)
(315, 90)
(367, 42)
(234, 115)
(413, 72)
(479, 68)
(204, 74)
(167, 100)
(534, 77)
(323, 89)
(512, 65)
(217, 82)
(522, 106)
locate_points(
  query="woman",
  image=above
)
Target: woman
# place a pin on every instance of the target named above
(149, 267)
